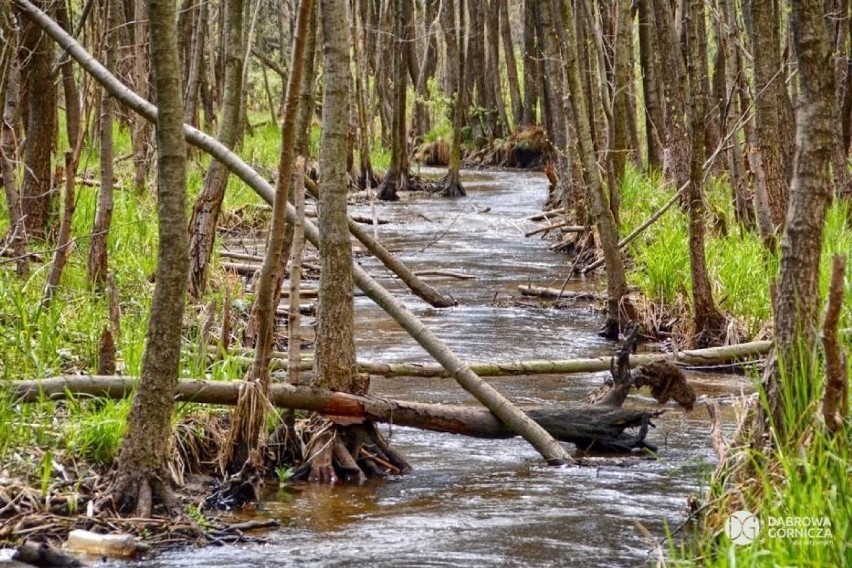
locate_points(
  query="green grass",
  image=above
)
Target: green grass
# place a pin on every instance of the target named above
(809, 477)
(741, 269)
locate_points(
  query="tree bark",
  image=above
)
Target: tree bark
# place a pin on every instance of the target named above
(483, 392)
(140, 132)
(8, 155)
(649, 60)
(710, 323)
(144, 450)
(620, 144)
(98, 263)
(39, 93)
(531, 71)
(246, 435)
(208, 205)
(69, 86)
(618, 306)
(797, 300)
(773, 116)
(451, 184)
(511, 65)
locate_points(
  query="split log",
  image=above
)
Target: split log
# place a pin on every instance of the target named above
(587, 426)
(692, 358)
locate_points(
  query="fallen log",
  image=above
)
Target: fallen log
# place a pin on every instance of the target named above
(585, 425)
(691, 358)
(447, 273)
(564, 226)
(556, 293)
(544, 215)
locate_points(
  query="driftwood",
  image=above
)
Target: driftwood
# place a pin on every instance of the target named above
(587, 426)
(691, 358)
(564, 226)
(446, 273)
(556, 293)
(544, 215)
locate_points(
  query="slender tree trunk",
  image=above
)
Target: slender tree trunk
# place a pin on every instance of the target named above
(427, 68)
(451, 185)
(511, 65)
(306, 89)
(140, 133)
(728, 34)
(709, 322)
(531, 72)
(773, 115)
(205, 213)
(39, 92)
(620, 144)
(842, 16)
(69, 86)
(196, 64)
(396, 178)
(98, 264)
(649, 60)
(9, 152)
(797, 300)
(60, 254)
(492, 68)
(617, 303)
(246, 435)
(141, 478)
(366, 178)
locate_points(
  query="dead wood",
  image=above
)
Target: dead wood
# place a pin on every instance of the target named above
(835, 401)
(587, 426)
(42, 554)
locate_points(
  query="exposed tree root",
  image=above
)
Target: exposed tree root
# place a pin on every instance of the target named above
(388, 189)
(141, 492)
(340, 451)
(451, 187)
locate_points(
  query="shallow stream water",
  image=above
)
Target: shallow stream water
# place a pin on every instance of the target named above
(473, 502)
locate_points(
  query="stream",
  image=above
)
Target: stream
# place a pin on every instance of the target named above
(486, 502)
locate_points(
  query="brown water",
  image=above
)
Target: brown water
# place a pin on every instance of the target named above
(475, 502)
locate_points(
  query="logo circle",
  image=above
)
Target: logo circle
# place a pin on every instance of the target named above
(742, 528)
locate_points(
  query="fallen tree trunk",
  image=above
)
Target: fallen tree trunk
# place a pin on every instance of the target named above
(502, 407)
(556, 293)
(587, 426)
(692, 358)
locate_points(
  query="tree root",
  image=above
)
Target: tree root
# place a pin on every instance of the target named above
(141, 492)
(451, 187)
(348, 453)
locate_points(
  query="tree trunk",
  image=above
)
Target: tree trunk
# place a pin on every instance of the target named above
(620, 144)
(60, 254)
(205, 213)
(511, 65)
(306, 91)
(246, 434)
(366, 177)
(531, 69)
(451, 184)
(492, 68)
(483, 392)
(39, 91)
(69, 86)
(140, 133)
(335, 345)
(98, 264)
(427, 68)
(710, 324)
(618, 306)
(196, 64)
(773, 115)
(797, 298)
(8, 157)
(141, 478)
(649, 60)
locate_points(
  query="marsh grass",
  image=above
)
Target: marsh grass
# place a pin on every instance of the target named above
(809, 476)
(741, 268)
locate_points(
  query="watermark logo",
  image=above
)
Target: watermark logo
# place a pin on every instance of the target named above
(742, 528)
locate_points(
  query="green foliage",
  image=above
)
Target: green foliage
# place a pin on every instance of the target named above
(95, 430)
(809, 478)
(740, 266)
